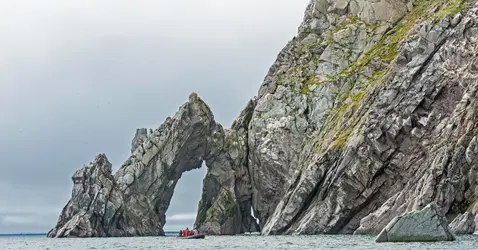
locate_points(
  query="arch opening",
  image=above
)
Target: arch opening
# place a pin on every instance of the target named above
(183, 207)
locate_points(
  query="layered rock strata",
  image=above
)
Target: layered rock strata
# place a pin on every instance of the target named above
(368, 113)
(463, 224)
(135, 200)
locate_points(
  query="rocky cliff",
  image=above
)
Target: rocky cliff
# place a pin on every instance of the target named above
(368, 113)
(134, 201)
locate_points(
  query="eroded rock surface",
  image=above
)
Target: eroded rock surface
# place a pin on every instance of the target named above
(139, 138)
(354, 141)
(463, 224)
(429, 224)
(368, 113)
(96, 207)
(225, 207)
(135, 200)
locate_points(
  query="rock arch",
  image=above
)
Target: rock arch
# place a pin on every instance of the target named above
(134, 201)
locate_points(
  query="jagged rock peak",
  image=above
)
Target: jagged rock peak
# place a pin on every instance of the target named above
(134, 202)
(193, 97)
(95, 206)
(139, 138)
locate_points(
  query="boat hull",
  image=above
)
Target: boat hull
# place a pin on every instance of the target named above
(197, 236)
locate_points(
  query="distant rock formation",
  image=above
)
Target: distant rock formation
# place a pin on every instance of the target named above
(135, 200)
(429, 224)
(370, 112)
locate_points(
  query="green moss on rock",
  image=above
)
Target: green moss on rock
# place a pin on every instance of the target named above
(344, 118)
(223, 208)
(452, 8)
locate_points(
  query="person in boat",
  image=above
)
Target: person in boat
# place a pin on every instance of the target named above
(185, 232)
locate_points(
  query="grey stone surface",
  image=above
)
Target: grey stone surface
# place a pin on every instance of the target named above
(139, 138)
(135, 200)
(225, 206)
(463, 224)
(371, 148)
(368, 113)
(429, 224)
(96, 207)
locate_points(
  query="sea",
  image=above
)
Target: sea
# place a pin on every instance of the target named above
(255, 242)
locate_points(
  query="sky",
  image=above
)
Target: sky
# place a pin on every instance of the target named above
(78, 77)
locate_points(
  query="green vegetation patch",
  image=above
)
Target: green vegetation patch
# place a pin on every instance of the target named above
(223, 208)
(385, 50)
(452, 8)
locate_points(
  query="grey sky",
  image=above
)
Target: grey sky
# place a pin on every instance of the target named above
(78, 77)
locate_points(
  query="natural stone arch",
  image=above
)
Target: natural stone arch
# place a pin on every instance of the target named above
(136, 199)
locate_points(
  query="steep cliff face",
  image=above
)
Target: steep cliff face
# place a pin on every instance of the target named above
(379, 107)
(368, 113)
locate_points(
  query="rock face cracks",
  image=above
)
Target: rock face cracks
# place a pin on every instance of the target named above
(368, 113)
(96, 208)
(135, 200)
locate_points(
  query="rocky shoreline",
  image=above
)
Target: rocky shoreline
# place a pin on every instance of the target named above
(369, 113)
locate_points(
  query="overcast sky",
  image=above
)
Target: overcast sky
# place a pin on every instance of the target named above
(78, 77)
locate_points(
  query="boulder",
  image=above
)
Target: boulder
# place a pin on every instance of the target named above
(463, 224)
(428, 224)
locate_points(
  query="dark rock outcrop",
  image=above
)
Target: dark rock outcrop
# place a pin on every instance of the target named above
(463, 224)
(96, 207)
(429, 224)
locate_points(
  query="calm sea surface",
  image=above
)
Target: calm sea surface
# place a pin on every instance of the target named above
(229, 242)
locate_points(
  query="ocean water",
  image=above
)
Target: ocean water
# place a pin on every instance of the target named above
(228, 242)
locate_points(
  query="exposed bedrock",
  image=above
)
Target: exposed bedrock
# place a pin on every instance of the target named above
(370, 112)
(143, 187)
(463, 224)
(96, 207)
(387, 130)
